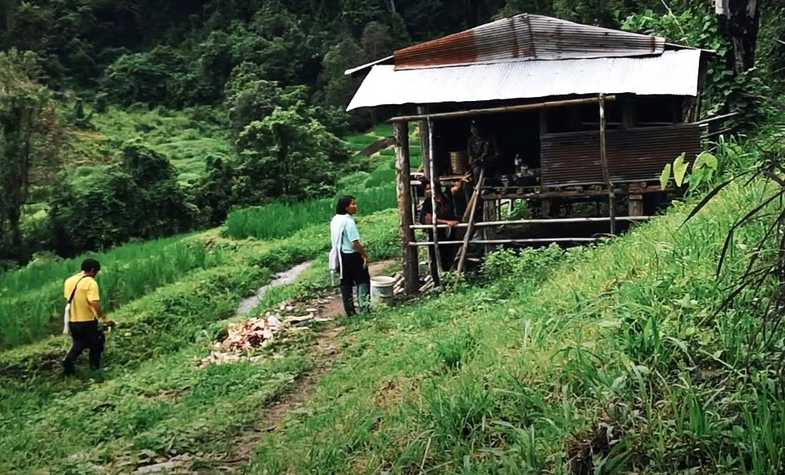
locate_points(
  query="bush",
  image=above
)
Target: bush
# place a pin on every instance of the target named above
(287, 154)
(513, 264)
(102, 206)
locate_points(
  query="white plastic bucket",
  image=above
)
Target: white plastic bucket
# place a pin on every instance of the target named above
(382, 289)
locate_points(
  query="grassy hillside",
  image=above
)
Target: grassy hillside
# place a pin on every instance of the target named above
(152, 396)
(602, 359)
(185, 136)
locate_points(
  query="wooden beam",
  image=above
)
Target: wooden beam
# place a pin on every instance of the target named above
(604, 165)
(436, 254)
(537, 221)
(403, 185)
(505, 241)
(425, 147)
(498, 110)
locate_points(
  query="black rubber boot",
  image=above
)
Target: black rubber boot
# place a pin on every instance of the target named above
(348, 299)
(364, 297)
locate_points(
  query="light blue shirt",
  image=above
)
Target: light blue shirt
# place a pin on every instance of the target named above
(344, 228)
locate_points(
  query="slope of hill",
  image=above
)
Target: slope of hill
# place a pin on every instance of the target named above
(600, 359)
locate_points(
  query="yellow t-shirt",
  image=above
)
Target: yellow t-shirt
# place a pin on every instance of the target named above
(86, 291)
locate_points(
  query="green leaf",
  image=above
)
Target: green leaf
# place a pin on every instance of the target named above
(705, 159)
(679, 169)
(665, 177)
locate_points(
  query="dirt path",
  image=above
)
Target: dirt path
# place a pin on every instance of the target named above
(325, 351)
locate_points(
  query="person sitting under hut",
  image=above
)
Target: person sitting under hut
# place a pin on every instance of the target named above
(445, 214)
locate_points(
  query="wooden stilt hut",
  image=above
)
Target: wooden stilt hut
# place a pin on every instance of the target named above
(583, 120)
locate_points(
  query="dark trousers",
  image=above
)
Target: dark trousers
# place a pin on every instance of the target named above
(353, 272)
(85, 335)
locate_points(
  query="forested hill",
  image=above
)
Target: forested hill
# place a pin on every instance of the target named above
(180, 53)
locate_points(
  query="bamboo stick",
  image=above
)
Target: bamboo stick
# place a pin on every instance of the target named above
(434, 225)
(538, 221)
(505, 241)
(470, 227)
(497, 110)
(604, 164)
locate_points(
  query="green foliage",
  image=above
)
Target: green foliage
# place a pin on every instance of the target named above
(593, 12)
(286, 154)
(703, 171)
(102, 206)
(186, 136)
(250, 98)
(29, 139)
(144, 77)
(528, 263)
(696, 25)
(456, 349)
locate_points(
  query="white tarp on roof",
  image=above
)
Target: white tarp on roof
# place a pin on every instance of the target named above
(671, 73)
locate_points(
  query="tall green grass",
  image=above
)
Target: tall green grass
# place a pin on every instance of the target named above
(279, 220)
(32, 299)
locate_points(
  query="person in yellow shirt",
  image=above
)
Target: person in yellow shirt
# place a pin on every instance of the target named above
(81, 290)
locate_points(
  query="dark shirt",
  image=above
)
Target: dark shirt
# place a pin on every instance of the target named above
(444, 209)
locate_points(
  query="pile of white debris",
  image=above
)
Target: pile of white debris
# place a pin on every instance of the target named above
(245, 337)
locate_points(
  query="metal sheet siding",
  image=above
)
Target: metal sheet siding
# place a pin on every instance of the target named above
(526, 37)
(633, 155)
(672, 73)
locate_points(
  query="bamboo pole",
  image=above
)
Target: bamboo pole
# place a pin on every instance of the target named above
(497, 110)
(604, 164)
(470, 227)
(404, 189)
(537, 221)
(425, 139)
(434, 184)
(505, 241)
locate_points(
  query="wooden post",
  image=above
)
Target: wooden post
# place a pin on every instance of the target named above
(434, 183)
(404, 188)
(604, 165)
(635, 205)
(425, 138)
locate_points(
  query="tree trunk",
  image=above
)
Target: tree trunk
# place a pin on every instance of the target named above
(739, 22)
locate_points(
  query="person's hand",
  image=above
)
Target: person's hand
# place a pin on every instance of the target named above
(366, 259)
(109, 322)
(452, 223)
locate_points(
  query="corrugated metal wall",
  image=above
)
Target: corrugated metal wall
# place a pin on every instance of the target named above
(525, 37)
(633, 154)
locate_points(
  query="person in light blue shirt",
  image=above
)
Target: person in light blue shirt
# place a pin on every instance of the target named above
(345, 237)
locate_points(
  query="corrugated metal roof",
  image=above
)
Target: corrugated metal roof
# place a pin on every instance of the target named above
(527, 37)
(671, 73)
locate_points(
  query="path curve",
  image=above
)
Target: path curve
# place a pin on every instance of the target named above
(282, 278)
